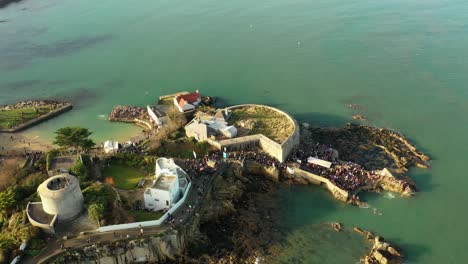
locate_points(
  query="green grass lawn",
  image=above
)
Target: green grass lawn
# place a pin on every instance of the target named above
(142, 215)
(264, 121)
(13, 118)
(125, 177)
(183, 149)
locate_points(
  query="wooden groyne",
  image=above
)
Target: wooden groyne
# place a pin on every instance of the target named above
(38, 120)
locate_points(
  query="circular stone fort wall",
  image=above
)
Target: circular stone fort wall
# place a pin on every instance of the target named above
(61, 195)
(278, 150)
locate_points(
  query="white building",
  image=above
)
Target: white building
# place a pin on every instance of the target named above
(111, 146)
(204, 127)
(158, 116)
(170, 181)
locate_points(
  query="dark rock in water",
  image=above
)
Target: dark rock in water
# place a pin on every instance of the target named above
(382, 251)
(208, 100)
(359, 117)
(336, 226)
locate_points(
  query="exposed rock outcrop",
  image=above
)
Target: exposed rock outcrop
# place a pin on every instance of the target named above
(382, 252)
(374, 148)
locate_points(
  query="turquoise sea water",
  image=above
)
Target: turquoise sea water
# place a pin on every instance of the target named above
(405, 62)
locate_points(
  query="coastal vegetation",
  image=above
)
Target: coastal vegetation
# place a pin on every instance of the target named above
(74, 137)
(99, 199)
(14, 196)
(142, 215)
(81, 168)
(251, 120)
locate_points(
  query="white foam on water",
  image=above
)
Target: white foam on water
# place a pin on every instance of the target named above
(389, 195)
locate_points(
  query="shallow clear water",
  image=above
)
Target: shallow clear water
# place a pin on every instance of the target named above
(404, 61)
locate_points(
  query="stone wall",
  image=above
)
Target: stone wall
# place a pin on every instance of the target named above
(46, 227)
(338, 193)
(38, 120)
(274, 149)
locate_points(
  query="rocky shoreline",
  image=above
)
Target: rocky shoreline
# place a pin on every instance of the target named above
(374, 148)
(237, 221)
(52, 104)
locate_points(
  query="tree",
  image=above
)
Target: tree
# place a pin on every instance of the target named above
(74, 137)
(96, 211)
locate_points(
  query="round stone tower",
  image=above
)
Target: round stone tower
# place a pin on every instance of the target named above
(61, 195)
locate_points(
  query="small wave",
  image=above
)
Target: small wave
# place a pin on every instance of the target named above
(389, 195)
(102, 116)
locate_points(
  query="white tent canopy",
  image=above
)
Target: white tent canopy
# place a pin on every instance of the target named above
(319, 162)
(111, 146)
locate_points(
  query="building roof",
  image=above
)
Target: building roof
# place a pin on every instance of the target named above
(187, 98)
(164, 182)
(221, 114)
(197, 127)
(158, 112)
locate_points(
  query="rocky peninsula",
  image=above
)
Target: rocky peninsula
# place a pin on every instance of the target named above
(233, 216)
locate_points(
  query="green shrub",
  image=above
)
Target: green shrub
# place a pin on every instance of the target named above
(8, 198)
(6, 242)
(96, 211)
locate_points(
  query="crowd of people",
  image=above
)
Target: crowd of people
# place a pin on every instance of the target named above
(127, 112)
(346, 175)
(258, 157)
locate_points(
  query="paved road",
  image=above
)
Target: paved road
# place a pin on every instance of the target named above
(196, 195)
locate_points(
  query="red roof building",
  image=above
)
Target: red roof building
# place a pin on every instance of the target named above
(186, 102)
